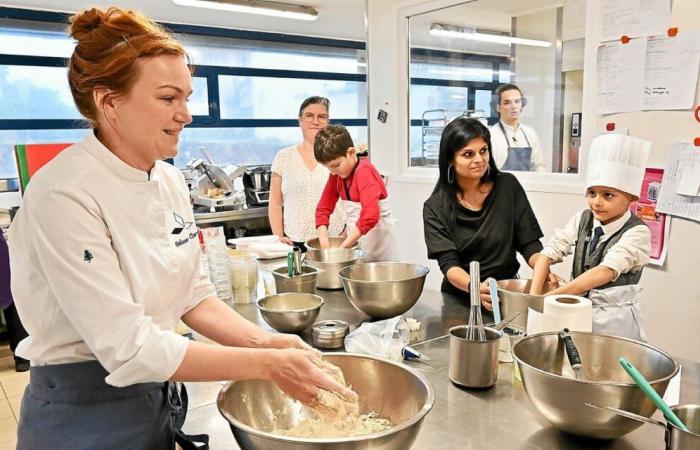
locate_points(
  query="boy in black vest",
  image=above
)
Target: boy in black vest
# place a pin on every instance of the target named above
(610, 245)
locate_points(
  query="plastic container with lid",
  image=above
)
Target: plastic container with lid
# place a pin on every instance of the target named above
(329, 333)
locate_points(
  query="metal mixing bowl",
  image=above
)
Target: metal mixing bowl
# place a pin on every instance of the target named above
(255, 407)
(383, 289)
(514, 298)
(290, 312)
(550, 384)
(330, 261)
(335, 241)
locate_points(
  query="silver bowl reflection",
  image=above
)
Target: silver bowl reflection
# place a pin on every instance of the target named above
(255, 408)
(383, 289)
(290, 312)
(550, 384)
(514, 298)
(330, 261)
(335, 241)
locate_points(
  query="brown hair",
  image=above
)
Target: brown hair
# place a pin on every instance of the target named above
(332, 142)
(110, 44)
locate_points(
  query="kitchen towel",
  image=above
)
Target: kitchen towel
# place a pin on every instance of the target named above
(561, 311)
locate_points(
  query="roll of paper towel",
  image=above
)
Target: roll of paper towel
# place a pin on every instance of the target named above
(561, 311)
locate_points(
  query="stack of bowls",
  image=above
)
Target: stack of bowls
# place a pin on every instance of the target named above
(291, 312)
(383, 289)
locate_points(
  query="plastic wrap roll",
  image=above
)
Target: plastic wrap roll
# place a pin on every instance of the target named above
(561, 311)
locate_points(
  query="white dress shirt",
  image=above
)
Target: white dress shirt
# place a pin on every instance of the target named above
(105, 260)
(301, 191)
(629, 254)
(500, 144)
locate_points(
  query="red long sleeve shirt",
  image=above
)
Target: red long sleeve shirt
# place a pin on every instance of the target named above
(365, 186)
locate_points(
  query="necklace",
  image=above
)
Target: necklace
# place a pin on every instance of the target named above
(479, 201)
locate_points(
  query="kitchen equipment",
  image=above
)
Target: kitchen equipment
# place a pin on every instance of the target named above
(244, 276)
(514, 297)
(212, 186)
(9, 185)
(473, 363)
(651, 393)
(335, 241)
(675, 438)
(291, 312)
(298, 259)
(256, 183)
(330, 261)
(329, 333)
(254, 408)
(383, 289)
(571, 353)
(493, 288)
(552, 388)
(306, 282)
(475, 330)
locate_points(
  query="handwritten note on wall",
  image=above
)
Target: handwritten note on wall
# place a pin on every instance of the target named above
(621, 76)
(635, 18)
(671, 71)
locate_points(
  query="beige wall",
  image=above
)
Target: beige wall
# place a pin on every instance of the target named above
(671, 300)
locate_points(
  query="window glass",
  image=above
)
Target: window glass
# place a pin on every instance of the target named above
(434, 102)
(199, 100)
(34, 39)
(482, 101)
(457, 69)
(10, 138)
(28, 92)
(279, 98)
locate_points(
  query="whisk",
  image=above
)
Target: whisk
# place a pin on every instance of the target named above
(475, 330)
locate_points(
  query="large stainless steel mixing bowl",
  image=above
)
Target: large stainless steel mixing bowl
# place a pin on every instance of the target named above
(330, 261)
(383, 289)
(401, 394)
(514, 298)
(290, 312)
(335, 241)
(550, 384)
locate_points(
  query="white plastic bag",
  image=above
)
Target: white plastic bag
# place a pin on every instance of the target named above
(384, 338)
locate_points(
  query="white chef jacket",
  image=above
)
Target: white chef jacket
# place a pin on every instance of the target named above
(500, 144)
(105, 260)
(629, 254)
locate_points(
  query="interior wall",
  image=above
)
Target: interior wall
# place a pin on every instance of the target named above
(671, 300)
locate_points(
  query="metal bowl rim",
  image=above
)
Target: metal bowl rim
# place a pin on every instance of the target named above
(306, 243)
(675, 410)
(264, 309)
(360, 254)
(419, 416)
(420, 267)
(603, 383)
(500, 334)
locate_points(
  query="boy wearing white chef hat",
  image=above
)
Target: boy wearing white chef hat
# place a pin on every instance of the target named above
(610, 245)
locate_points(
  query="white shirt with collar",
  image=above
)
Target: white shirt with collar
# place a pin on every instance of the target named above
(500, 144)
(629, 254)
(105, 260)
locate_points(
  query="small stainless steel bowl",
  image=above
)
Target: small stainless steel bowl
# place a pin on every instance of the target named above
(329, 333)
(290, 312)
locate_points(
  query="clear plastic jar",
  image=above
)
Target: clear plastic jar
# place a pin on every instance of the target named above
(244, 276)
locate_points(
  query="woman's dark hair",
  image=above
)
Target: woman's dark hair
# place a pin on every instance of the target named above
(315, 100)
(456, 135)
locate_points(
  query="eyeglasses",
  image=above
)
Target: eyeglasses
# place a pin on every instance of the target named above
(309, 117)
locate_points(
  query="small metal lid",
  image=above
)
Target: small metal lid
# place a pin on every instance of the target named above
(329, 329)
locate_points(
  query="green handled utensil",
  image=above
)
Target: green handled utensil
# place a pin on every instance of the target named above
(651, 393)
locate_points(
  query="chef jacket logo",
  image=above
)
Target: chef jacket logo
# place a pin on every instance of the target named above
(87, 256)
(180, 221)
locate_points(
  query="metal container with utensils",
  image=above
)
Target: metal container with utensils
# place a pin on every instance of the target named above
(675, 438)
(514, 297)
(291, 312)
(329, 333)
(383, 289)
(306, 282)
(552, 388)
(255, 408)
(474, 364)
(330, 261)
(335, 241)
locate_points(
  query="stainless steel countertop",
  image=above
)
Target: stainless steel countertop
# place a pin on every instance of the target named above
(237, 214)
(500, 417)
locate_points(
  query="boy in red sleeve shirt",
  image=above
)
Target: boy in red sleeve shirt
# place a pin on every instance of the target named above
(360, 187)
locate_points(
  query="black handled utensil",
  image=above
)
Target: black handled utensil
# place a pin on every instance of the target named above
(572, 353)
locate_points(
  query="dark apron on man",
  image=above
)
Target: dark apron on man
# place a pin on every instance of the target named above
(70, 406)
(518, 157)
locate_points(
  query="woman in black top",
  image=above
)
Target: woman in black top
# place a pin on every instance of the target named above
(476, 212)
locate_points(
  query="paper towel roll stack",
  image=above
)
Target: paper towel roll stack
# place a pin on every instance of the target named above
(561, 311)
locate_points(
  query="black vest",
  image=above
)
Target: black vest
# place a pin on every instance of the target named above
(583, 261)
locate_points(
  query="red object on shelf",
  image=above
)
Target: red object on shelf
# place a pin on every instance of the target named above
(697, 142)
(672, 32)
(610, 126)
(625, 39)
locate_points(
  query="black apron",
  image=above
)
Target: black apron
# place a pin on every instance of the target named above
(70, 406)
(518, 157)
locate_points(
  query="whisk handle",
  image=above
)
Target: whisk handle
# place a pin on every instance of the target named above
(474, 283)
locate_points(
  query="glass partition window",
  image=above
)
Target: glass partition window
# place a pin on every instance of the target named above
(460, 55)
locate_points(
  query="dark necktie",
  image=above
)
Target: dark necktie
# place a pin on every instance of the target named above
(597, 233)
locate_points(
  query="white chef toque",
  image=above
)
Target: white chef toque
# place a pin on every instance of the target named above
(617, 161)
